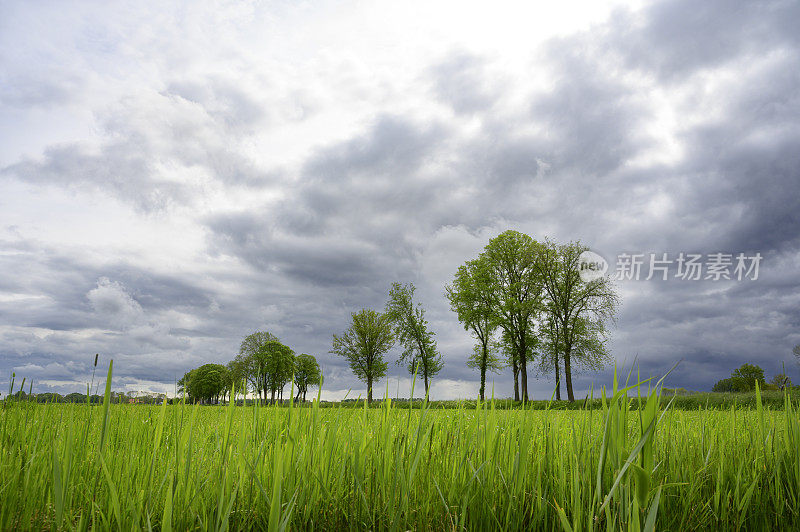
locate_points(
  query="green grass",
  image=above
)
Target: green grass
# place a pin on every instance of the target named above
(179, 467)
(775, 400)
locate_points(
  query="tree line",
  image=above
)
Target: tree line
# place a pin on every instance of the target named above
(523, 301)
(745, 377)
(264, 366)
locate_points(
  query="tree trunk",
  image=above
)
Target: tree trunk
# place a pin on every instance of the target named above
(558, 380)
(523, 369)
(515, 369)
(425, 375)
(369, 390)
(568, 375)
(484, 361)
(304, 396)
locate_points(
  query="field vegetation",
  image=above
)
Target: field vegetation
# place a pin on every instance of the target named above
(626, 462)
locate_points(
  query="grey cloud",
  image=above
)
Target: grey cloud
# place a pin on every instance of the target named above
(675, 38)
(122, 168)
(461, 82)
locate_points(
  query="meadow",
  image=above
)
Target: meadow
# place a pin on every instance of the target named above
(630, 463)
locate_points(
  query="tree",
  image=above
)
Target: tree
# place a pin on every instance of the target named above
(746, 376)
(470, 298)
(411, 330)
(551, 350)
(206, 383)
(183, 383)
(724, 386)
(516, 295)
(252, 366)
(485, 359)
(238, 377)
(277, 363)
(306, 373)
(579, 308)
(781, 381)
(364, 343)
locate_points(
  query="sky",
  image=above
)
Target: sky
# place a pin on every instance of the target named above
(176, 176)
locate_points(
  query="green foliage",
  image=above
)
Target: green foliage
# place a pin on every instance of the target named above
(411, 330)
(251, 365)
(725, 386)
(306, 373)
(470, 297)
(746, 376)
(577, 310)
(207, 382)
(364, 343)
(485, 360)
(742, 379)
(276, 365)
(515, 294)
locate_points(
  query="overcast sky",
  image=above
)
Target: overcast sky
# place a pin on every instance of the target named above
(175, 177)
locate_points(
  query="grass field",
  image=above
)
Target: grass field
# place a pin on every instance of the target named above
(179, 467)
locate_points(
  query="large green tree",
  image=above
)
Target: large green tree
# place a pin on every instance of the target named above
(742, 379)
(411, 330)
(580, 309)
(470, 297)
(206, 383)
(746, 376)
(306, 373)
(516, 295)
(364, 343)
(252, 366)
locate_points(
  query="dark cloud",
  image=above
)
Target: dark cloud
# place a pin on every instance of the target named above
(669, 129)
(676, 38)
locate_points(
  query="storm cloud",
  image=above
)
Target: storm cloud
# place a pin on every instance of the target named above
(174, 183)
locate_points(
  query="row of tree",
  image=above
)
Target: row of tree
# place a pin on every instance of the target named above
(527, 300)
(745, 377)
(523, 301)
(372, 334)
(264, 366)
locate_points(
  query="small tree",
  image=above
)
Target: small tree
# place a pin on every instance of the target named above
(306, 373)
(364, 343)
(411, 330)
(746, 376)
(781, 381)
(724, 386)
